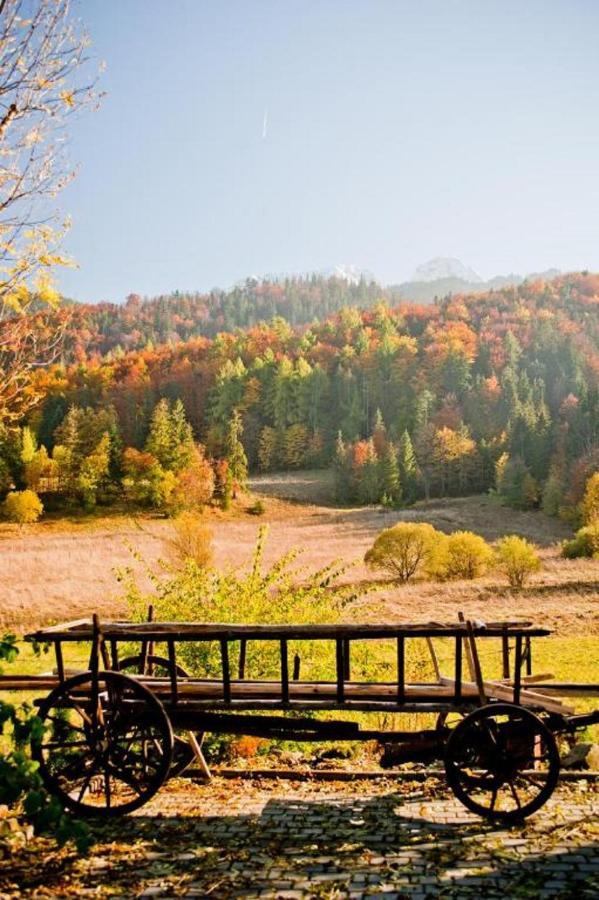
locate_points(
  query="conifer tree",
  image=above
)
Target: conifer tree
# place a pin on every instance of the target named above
(379, 434)
(408, 468)
(160, 437)
(235, 454)
(266, 449)
(341, 477)
(170, 438)
(390, 478)
(181, 436)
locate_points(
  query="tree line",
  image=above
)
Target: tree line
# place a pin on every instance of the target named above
(495, 391)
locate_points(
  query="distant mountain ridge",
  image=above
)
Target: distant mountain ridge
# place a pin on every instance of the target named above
(442, 267)
(447, 275)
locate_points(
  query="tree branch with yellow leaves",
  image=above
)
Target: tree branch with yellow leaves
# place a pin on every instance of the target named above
(43, 84)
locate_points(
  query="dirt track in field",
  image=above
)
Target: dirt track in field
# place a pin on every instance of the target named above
(61, 569)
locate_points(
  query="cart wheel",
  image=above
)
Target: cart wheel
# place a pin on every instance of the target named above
(502, 762)
(107, 748)
(160, 667)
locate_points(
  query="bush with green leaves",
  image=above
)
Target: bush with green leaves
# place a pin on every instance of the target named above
(21, 786)
(463, 554)
(517, 558)
(585, 543)
(281, 594)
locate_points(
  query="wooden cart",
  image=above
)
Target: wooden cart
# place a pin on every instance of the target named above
(115, 732)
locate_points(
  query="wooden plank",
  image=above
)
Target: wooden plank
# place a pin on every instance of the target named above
(340, 670)
(114, 655)
(284, 672)
(296, 667)
(242, 658)
(499, 690)
(469, 659)
(505, 653)
(28, 682)
(518, 669)
(432, 706)
(223, 631)
(478, 675)
(59, 660)
(434, 659)
(401, 669)
(172, 659)
(226, 684)
(248, 689)
(458, 670)
(528, 655)
(568, 688)
(346, 659)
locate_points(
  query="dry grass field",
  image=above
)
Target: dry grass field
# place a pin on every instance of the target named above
(62, 569)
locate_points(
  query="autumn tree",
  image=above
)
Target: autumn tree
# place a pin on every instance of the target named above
(194, 484)
(42, 84)
(145, 481)
(93, 472)
(590, 502)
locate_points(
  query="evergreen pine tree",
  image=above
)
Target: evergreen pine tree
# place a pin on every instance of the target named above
(235, 454)
(182, 437)
(341, 475)
(408, 467)
(160, 438)
(391, 484)
(379, 434)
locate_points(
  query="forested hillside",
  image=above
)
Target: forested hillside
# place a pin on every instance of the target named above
(494, 391)
(136, 324)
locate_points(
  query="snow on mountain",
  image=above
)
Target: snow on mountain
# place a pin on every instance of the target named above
(445, 267)
(350, 273)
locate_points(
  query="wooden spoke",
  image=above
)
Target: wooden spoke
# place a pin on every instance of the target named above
(161, 667)
(515, 794)
(87, 780)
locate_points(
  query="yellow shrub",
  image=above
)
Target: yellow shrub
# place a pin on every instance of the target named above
(463, 554)
(517, 558)
(404, 549)
(192, 539)
(23, 507)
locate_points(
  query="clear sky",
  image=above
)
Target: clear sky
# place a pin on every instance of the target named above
(242, 137)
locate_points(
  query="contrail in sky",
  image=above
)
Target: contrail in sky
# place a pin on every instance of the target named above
(265, 123)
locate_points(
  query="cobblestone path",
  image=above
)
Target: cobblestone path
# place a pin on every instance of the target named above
(283, 839)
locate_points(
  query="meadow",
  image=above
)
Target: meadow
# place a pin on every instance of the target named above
(65, 569)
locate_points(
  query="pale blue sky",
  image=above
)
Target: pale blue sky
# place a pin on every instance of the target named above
(396, 132)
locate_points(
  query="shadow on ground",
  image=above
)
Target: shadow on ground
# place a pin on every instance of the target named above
(393, 844)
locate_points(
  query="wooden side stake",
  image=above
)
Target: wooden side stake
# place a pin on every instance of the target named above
(196, 746)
